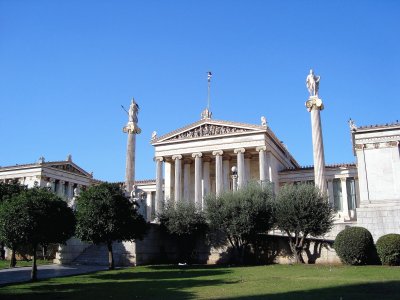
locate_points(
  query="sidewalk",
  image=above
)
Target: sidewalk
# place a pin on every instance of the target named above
(23, 274)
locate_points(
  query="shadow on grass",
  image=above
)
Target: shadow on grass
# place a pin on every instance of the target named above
(173, 283)
(389, 290)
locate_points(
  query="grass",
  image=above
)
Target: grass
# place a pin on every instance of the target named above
(4, 264)
(215, 282)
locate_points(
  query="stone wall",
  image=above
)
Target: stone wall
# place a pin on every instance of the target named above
(379, 220)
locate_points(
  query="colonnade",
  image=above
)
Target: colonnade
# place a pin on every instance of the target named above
(202, 181)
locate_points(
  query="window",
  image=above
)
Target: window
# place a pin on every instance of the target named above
(337, 194)
(351, 192)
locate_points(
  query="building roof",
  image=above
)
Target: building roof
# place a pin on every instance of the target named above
(311, 167)
(64, 165)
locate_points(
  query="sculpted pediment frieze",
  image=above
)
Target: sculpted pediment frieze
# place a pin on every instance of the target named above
(69, 168)
(206, 130)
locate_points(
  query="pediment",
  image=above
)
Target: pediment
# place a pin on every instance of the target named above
(209, 129)
(69, 167)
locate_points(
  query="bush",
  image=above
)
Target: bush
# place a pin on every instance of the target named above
(388, 247)
(355, 246)
(186, 224)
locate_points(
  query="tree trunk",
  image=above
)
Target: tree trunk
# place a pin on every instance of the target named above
(34, 266)
(110, 256)
(2, 252)
(13, 261)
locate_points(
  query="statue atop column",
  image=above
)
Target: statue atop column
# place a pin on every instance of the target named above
(312, 82)
(132, 126)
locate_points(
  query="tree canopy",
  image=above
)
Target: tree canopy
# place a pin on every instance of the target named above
(105, 214)
(35, 217)
(300, 211)
(185, 223)
(241, 215)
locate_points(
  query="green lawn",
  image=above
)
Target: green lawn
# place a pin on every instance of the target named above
(23, 263)
(214, 282)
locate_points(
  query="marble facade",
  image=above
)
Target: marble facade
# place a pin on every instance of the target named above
(196, 160)
(62, 177)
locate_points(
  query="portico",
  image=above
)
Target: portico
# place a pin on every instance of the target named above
(205, 151)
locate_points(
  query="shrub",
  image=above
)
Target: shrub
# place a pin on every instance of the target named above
(388, 247)
(354, 246)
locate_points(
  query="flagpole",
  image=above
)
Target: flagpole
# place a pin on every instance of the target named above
(208, 92)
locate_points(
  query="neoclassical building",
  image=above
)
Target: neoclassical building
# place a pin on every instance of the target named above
(62, 177)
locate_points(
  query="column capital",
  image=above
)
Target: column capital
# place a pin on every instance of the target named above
(217, 152)
(52, 180)
(158, 158)
(261, 148)
(62, 181)
(197, 154)
(239, 150)
(343, 179)
(314, 103)
(177, 156)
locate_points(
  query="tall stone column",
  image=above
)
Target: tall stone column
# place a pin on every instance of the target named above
(330, 192)
(226, 171)
(149, 207)
(159, 184)
(131, 129)
(206, 178)
(186, 179)
(240, 166)
(247, 168)
(262, 160)
(345, 203)
(219, 180)
(314, 105)
(169, 179)
(197, 178)
(178, 176)
(61, 189)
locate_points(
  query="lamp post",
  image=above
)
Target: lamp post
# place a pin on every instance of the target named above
(234, 177)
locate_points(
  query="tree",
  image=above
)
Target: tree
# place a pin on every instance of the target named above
(241, 215)
(105, 214)
(35, 217)
(7, 190)
(300, 211)
(185, 224)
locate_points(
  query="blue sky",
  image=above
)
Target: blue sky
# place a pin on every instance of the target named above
(67, 66)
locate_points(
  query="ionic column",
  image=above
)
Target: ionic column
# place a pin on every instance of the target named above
(186, 179)
(262, 163)
(53, 184)
(197, 178)
(70, 193)
(206, 178)
(149, 207)
(178, 175)
(240, 167)
(169, 175)
(330, 192)
(247, 171)
(219, 182)
(345, 203)
(314, 105)
(226, 171)
(61, 189)
(159, 183)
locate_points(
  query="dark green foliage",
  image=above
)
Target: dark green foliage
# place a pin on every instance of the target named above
(300, 211)
(7, 190)
(105, 214)
(35, 217)
(241, 215)
(388, 247)
(354, 246)
(185, 224)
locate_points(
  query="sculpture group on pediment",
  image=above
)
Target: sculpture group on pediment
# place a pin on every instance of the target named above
(208, 130)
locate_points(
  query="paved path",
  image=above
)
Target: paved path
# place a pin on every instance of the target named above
(23, 274)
